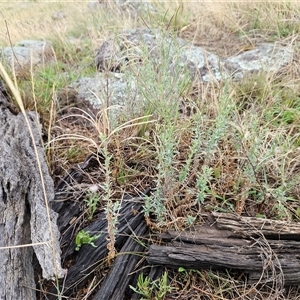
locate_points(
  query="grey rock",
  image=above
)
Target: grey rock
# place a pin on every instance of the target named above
(265, 57)
(27, 52)
(131, 46)
(94, 4)
(122, 57)
(59, 15)
(201, 64)
(109, 57)
(134, 7)
(128, 46)
(105, 90)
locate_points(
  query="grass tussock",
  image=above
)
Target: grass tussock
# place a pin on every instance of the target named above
(227, 146)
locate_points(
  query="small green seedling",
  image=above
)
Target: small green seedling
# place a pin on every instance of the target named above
(149, 289)
(83, 237)
(92, 201)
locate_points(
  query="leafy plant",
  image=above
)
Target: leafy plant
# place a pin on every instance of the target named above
(112, 208)
(190, 220)
(144, 287)
(156, 289)
(186, 273)
(162, 91)
(92, 201)
(83, 238)
(202, 181)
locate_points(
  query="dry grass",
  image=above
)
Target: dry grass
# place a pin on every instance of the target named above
(233, 146)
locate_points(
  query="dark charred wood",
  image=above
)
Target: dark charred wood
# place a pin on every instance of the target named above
(119, 277)
(74, 174)
(64, 204)
(246, 226)
(88, 258)
(251, 245)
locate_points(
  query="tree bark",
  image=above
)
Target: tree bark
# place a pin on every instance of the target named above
(23, 218)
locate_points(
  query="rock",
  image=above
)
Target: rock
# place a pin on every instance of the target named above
(120, 60)
(136, 7)
(105, 91)
(88, 95)
(128, 46)
(133, 7)
(94, 4)
(109, 57)
(59, 15)
(27, 52)
(265, 57)
(201, 64)
(131, 47)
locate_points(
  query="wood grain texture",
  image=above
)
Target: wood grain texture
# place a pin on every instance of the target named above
(23, 218)
(266, 250)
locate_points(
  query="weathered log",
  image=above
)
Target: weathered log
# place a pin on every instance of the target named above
(119, 277)
(23, 217)
(245, 247)
(247, 226)
(64, 204)
(87, 258)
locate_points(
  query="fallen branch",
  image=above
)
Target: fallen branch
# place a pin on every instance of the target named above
(252, 245)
